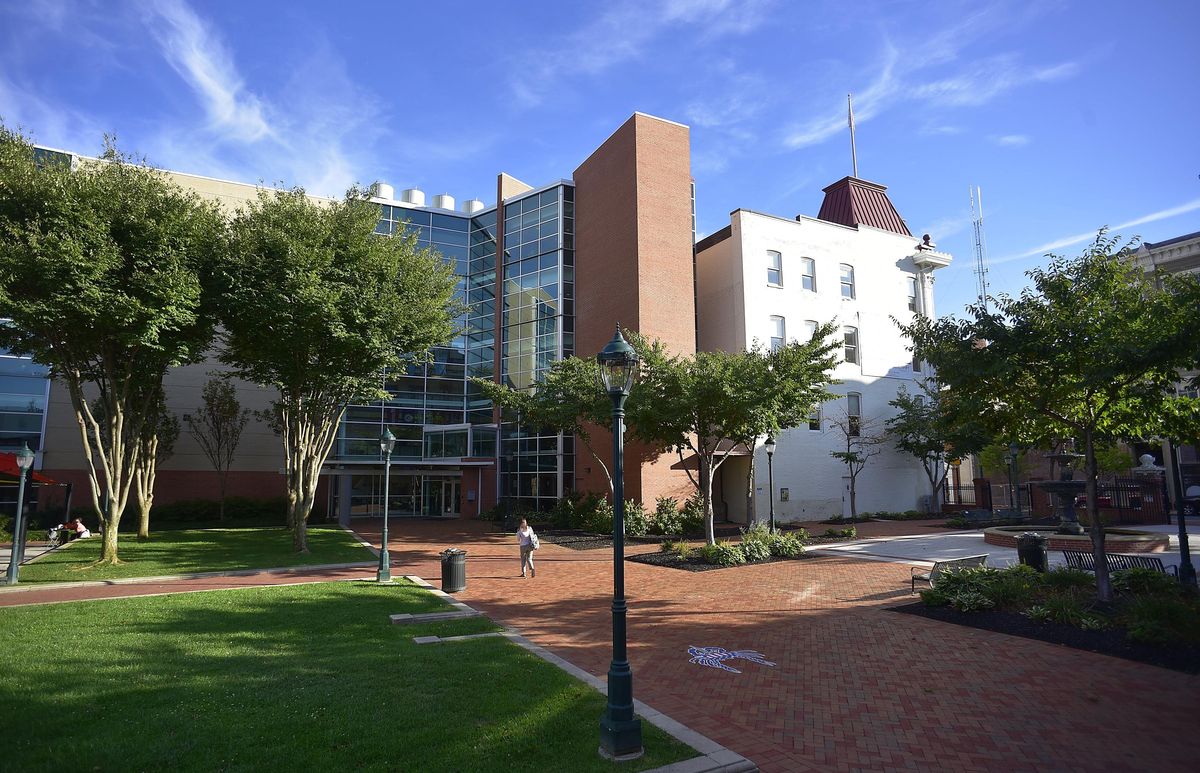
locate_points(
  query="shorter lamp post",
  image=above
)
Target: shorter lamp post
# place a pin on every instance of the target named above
(24, 462)
(1011, 458)
(387, 441)
(620, 731)
(770, 446)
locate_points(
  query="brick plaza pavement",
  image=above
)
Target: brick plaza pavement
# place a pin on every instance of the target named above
(855, 686)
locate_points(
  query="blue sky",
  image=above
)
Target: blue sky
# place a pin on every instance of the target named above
(1069, 115)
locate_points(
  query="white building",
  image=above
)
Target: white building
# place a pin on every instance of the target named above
(766, 278)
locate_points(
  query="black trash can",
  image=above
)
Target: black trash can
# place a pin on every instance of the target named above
(454, 570)
(1031, 550)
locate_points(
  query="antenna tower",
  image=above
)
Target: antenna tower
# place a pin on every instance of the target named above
(981, 259)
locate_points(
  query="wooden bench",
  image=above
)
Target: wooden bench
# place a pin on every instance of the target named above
(941, 567)
(1085, 560)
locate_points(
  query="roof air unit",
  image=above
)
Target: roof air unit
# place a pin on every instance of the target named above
(414, 196)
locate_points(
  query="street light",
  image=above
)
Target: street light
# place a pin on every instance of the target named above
(17, 554)
(387, 441)
(1011, 458)
(770, 446)
(620, 732)
(1187, 572)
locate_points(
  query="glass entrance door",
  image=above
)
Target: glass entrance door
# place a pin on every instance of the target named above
(450, 493)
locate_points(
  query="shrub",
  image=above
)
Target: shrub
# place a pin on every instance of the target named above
(756, 550)
(692, 516)
(565, 513)
(667, 519)
(1162, 619)
(757, 533)
(958, 522)
(637, 523)
(684, 550)
(668, 546)
(850, 532)
(1068, 608)
(1066, 579)
(802, 535)
(272, 510)
(934, 598)
(786, 545)
(722, 554)
(971, 580)
(599, 520)
(1015, 587)
(1145, 582)
(970, 601)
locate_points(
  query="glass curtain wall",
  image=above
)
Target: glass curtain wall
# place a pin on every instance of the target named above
(538, 327)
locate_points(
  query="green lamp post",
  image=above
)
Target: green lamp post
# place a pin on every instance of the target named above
(387, 441)
(620, 731)
(17, 554)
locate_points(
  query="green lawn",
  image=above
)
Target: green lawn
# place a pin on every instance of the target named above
(195, 550)
(296, 678)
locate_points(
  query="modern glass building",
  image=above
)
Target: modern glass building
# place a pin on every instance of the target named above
(445, 429)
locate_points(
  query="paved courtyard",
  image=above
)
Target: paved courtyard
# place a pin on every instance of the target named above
(855, 686)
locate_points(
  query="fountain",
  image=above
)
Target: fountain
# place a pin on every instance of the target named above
(1066, 488)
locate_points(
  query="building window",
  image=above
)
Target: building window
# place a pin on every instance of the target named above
(847, 280)
(853, 413)
(778, 333)
(774, 268)
(808, 274)
(810, 329)
(814, 419)
(851, 347)
(913, 305)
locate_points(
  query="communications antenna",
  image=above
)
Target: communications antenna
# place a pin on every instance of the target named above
(981, 258)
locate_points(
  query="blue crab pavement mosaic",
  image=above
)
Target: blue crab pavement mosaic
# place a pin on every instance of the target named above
(715, 657)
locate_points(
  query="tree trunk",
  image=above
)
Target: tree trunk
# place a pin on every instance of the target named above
(221, 481)
(853, 502)
(706, 497)
(751, 511)
(935, 490)
(109, 544)
(1103, 583)
(144, 506)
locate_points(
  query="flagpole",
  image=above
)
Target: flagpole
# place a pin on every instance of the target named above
(853, 151)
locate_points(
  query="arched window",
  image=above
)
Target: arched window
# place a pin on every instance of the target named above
(847, 272)
(850, 349)
(853, 413)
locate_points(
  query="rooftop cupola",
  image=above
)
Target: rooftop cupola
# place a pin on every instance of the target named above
(853, 202)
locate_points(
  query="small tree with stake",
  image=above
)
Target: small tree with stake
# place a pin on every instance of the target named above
(863, 439)
(217, 427)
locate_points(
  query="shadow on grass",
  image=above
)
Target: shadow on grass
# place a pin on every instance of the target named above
(304, 677)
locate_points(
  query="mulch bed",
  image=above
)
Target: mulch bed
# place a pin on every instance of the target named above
(673, 561)
(1179, 657)
(584, 540)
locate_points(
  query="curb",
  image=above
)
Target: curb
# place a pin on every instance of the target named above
(174, 577)
(714, 758)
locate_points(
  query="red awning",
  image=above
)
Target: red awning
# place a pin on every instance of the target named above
(9, 469)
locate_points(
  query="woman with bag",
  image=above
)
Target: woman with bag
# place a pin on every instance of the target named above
(529, 543)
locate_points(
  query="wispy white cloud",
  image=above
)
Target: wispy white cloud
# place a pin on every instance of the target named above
(623, 33)
(911, 81)
(203, 61)
(1011, 140)
(1067, 241)
(945, 227)
(48, 123)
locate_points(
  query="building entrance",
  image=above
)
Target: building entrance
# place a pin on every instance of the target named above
(411, 495)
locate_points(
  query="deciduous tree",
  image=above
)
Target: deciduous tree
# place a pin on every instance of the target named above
(318, 307)
(101, 270)
(1091, 350)
(217, 428)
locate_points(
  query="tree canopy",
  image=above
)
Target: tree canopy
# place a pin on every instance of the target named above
(317, 306)
(1092, 350)
(101, 272)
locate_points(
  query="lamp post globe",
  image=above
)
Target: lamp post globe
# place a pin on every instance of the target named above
(17, 553)
(620, 731)
(770, 447)
(387, 442)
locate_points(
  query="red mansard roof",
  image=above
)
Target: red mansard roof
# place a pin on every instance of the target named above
(851, 201)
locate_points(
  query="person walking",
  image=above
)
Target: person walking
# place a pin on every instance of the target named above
(528, 542)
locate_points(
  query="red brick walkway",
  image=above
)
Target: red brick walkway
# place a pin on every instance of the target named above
(855, 687)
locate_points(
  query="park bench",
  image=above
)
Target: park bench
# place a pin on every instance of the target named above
(1085, 560)
(941, 567)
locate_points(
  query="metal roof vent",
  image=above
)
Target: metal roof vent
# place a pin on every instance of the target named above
(443, 201)
(471, 206)
(383, 191)
(414, 196)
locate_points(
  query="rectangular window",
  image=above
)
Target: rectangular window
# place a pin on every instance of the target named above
(850, 334)
(854, 413)
(847, 272)
(810, 329)
(774, 268)
(808, 274)
(814, 419)
(913, 305)
(778, 333)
